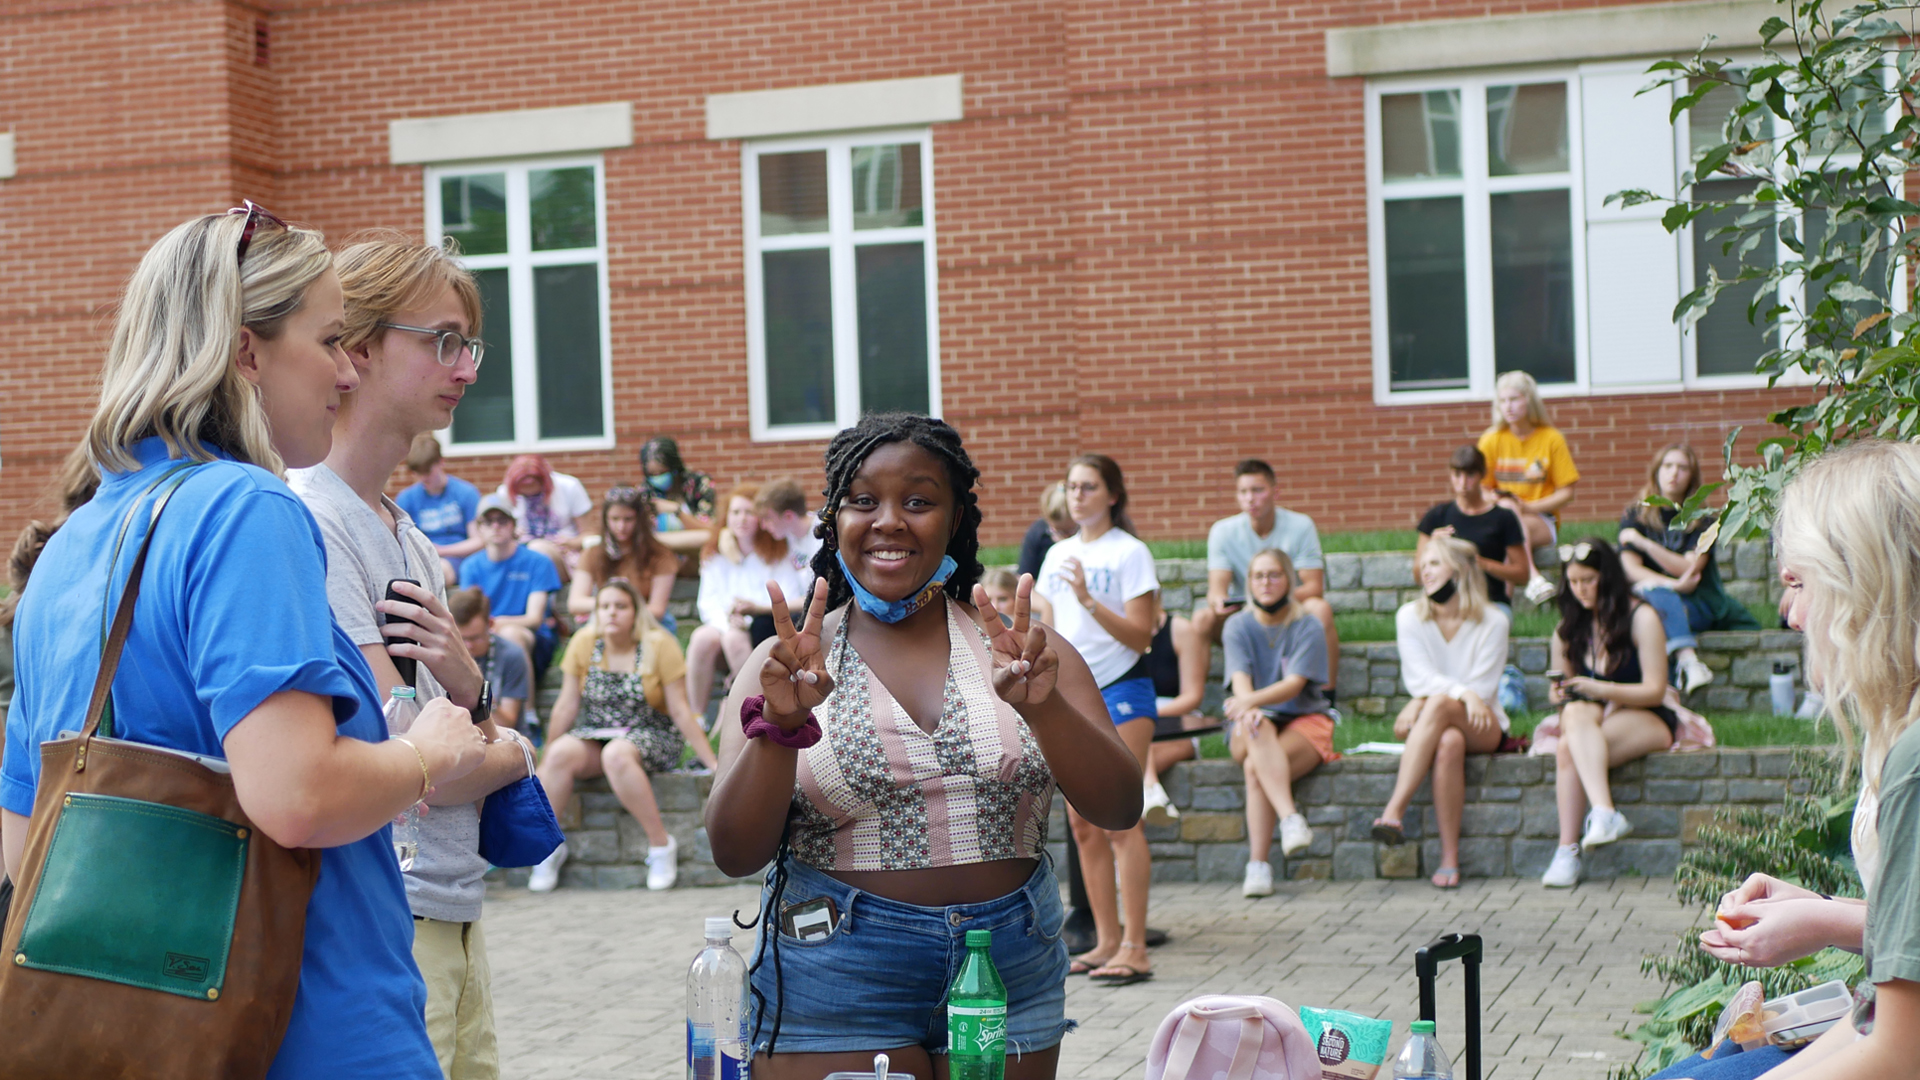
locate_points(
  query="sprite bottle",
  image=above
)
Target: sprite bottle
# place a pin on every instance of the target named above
(977, 1015)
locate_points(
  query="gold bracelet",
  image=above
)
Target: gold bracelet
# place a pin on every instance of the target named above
(426, 781)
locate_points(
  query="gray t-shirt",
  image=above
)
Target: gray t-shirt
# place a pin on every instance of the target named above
(1232, 544)
(1891, 947)
(362, 556)
(1268, 654)
(507, 670)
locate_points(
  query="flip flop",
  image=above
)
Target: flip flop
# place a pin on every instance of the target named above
(1388, 832)
(1451, 873)
(1123, 975)
(1082, 967)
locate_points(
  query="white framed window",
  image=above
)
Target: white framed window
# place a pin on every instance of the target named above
(1723, 345)
(840, 276)
(534, 235)
(1476, 234)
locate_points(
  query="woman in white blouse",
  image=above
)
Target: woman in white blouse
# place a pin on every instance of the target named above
(735, 565)
(1453, 646)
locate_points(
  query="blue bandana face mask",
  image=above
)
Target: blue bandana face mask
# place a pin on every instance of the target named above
(660, 482)
(892, 611)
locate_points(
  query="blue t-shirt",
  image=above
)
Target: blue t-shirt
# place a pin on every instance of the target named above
(442, 517)
(510, 581)
(232, 610)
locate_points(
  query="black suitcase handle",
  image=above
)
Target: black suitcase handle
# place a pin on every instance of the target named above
(1426, 964)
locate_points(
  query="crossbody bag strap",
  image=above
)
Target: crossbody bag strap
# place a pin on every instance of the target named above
(100, 706)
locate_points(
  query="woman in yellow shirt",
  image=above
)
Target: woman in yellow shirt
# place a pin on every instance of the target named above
(623, 712)
(1528, 466)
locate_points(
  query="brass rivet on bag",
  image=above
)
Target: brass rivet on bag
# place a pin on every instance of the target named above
(212, 994)
(68, 801)
(242, 834)
(19, 958)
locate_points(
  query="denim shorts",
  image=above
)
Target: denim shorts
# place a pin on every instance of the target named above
(1130, 699)
(879, 980)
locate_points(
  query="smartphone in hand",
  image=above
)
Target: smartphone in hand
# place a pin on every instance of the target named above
(407, 666)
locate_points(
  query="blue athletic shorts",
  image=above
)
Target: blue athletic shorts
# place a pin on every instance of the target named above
(1130, 699)
(878, 981)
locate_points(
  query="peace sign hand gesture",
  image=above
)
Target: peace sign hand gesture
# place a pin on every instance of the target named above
(1025, 666)
(794, 677)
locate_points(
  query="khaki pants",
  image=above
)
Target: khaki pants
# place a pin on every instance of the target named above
(453, 960)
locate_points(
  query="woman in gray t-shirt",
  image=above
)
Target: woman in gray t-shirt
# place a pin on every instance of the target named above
(1276, 665)
(1849, 540)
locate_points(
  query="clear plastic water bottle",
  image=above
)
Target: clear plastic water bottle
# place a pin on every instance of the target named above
(401, 711)
(1780, 688)
(717, 1008)
(1421, 1058)
(977, 1015)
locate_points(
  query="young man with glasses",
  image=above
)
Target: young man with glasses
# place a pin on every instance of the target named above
(411, 311)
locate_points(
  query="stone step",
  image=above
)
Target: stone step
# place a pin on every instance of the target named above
(1509, 827)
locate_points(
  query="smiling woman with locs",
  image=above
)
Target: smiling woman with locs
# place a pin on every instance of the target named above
(895, 758)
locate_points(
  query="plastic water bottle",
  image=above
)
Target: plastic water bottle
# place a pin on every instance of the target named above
(401, 711)
(717, 1008)
(977, 1015)
(1421, 1058)
(1780, 688)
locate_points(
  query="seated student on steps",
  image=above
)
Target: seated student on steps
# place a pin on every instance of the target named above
(519, 583)
(1276, 664)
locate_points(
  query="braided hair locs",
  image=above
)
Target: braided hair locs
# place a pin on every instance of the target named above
(844, 456)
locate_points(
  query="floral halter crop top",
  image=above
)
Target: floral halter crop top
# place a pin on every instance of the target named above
(878, 793)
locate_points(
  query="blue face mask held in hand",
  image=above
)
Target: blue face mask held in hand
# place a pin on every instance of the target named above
(892, 611)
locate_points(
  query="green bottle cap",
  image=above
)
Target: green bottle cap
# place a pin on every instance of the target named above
(979, 939)
(1423, 1027)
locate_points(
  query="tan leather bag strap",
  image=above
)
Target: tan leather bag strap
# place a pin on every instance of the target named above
(98, 707)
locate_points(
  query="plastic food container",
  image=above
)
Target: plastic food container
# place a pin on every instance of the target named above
(1797, 1019)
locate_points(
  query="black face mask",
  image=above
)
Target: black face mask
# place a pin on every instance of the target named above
(1273, 608)
(1442, 594)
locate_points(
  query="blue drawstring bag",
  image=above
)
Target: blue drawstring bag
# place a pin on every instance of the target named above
(517, 826)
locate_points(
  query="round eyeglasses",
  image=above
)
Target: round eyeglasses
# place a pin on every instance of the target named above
(447, 344)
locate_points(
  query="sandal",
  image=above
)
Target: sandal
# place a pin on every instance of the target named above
(1388, 832)
(1447, 877)
(1119, 975)
(1082, 964)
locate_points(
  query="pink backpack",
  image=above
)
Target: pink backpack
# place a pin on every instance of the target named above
(1224, 1037)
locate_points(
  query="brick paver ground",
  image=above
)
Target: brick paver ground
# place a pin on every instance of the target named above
(589, 984)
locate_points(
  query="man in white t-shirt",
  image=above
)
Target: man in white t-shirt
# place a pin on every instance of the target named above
(1231, 546)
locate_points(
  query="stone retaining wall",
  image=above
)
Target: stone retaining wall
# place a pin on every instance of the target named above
(1508, 829)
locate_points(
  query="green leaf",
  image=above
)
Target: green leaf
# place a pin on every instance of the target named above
(1772, 28)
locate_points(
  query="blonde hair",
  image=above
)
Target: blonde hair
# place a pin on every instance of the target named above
(1290, 610)
(1523, 382)
(170, 369)
(1053, 503)
(1849, 525)
(1468, 580)
(383, 277)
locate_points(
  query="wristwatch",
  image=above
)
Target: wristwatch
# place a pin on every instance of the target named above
(482, 710)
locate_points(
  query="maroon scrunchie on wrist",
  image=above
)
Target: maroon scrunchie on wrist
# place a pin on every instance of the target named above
(753, 719)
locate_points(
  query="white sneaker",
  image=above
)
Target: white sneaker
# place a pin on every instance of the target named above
(1565, 871)
(1156, 807)
(1259, 880)
(1604, 827)
(1295, 837)
(663, 865)
(1540, 589)
(1694, 675)
(546, 875)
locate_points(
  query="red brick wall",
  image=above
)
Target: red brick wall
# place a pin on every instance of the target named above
(1151, 226)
